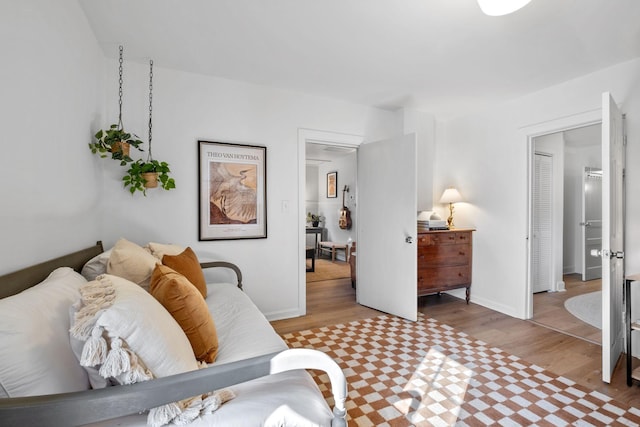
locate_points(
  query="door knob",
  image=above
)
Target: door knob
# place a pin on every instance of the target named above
(408, 239)
(606, 253)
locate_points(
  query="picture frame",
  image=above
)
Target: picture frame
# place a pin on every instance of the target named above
(332, 185)
(232, 189)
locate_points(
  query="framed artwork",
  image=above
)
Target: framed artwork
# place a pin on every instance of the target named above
(332, 185)
(232, 191)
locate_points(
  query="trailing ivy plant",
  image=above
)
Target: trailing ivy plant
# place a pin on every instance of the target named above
(107, 142)
(134, 178)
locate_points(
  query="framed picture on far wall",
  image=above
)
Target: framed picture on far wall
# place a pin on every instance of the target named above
(232, 191)
(332, 185)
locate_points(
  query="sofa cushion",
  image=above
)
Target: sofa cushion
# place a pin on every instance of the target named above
(130, 261)
(35, 354)
(188, 308)
(187, 264)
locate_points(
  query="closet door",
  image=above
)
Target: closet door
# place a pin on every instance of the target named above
(542, 255)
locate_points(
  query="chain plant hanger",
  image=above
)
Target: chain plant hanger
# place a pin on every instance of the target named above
(149, 156)
(120, 126)
(146, 174)
(115, 139)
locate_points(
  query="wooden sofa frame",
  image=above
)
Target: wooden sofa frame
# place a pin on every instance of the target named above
(112, 402)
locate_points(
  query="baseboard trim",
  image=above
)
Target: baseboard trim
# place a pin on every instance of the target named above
(504, 309)
(283, 314)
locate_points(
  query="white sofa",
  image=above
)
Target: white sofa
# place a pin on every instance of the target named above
(42, 383)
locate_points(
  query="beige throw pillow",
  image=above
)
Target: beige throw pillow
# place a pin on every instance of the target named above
(159, 250)
(130, 261)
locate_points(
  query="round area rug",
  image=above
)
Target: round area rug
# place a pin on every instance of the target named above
(586, 307)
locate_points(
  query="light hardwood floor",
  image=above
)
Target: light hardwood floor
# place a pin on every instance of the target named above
(332, 302)
(548, 308)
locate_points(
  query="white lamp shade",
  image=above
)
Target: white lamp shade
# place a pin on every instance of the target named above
(451, 195)
(501, 7)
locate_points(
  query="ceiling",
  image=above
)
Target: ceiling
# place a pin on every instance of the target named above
(439, 56)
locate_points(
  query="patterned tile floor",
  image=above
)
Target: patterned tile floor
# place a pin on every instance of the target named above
(425, 373)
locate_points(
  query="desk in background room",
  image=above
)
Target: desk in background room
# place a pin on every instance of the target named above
(311, 251)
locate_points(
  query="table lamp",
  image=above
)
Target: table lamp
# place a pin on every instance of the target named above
(451, 196)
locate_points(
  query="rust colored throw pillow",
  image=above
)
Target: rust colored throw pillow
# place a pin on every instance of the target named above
(190, 310)
(188, 265)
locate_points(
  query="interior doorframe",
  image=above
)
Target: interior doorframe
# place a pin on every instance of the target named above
(318, 137)
(528, 134)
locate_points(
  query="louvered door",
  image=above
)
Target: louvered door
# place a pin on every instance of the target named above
(542, 224)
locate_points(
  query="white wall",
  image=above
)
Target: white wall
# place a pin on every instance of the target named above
(188, 107)
(485, 155)
(423, 125)
(51, 80)
(311, 188)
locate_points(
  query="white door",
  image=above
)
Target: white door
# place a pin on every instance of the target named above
(387, 226)
(591, 222)
(612, 234)
(542, 249)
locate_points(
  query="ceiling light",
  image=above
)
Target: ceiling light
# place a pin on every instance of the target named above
(501, 7)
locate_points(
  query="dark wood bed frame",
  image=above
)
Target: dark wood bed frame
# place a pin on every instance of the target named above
(92, 406)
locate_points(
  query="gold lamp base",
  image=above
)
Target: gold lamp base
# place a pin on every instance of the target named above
(450, 219)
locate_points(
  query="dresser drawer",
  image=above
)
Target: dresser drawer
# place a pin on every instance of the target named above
(447, 238)
(444, 238)
(424, 240)
(463, 237)
(444, 255)
(432, 278)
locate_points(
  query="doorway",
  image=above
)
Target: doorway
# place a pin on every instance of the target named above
(565, 165)
(330, 187)
(316, 150)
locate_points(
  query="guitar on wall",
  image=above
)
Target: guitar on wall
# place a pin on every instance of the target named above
(345, 216)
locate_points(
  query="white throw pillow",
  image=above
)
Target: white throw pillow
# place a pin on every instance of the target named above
(132, 262)
(35, 353)
(130, 337)
(113, 308)
(96, 266)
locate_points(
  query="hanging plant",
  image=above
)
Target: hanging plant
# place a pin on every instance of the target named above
(115, 139)
(148, 174)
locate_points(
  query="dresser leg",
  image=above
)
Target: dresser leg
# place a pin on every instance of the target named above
(468, 294)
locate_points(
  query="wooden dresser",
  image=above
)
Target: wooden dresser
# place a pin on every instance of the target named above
(444, 260)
